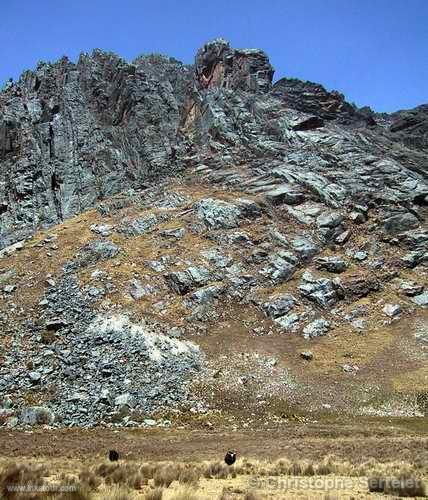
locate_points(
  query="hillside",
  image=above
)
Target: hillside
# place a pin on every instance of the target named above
(196, 245)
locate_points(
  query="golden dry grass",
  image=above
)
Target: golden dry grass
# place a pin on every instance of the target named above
(247, 480)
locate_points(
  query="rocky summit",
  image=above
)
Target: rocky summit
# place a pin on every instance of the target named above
(198, 243)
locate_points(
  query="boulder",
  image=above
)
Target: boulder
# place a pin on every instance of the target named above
(343, 237)
(35, 377)
(329, 219)
(207, 294)
(183, 282)
(322, 291)
(218, 214)
(249, 208)
(287, 322)
(392, 310)
(140, 226)
(125, 399)
(399, 223)
(97, 250)
(175, 234)
(359, 285)
(332, 264)
(410, 288)
(216, 258)
(278, 270)
(304, 246)
(284, 194)
(136, 289)
(350, 368)
(316, 328)
(11, 249)
(279, 305)
(421, 299)
(413, 259)
(357, 217)
(36, 415)
(101, 229)
(360, 256)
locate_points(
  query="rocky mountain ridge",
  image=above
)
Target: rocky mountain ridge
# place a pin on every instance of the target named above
(197, 239)
(73, 134)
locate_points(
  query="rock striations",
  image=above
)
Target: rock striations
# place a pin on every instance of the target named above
(158, 219)
(74, 134)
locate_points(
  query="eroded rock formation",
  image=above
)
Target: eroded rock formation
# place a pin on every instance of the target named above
(74, 134)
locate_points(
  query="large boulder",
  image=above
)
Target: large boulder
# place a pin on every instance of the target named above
(401, 222)
(36, 415)
(322, 291)
(279, 269)
(183, 282)
(97, 250)
(333, 264)
(316, 328)
(421, 299)
(220, 214)
(284, 194)
(140, 226)
(279, 305)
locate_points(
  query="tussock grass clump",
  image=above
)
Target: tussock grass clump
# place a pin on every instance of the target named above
(155, 494)
(376, 484)
(105, 470)
(189, 475)
(15, 477)
(137, 481)
(216, 470)
(252, 495)
(246, 467)
(148, 470)
(118, 492)
(281, 468)
(224, 495)
(90, 479)
(80, 492)
(119, 476)
(296, 469)
(122, 474)
(185, 493)
(165, 475)
(405, 486)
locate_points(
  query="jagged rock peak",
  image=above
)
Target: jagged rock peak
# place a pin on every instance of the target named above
(219, 65)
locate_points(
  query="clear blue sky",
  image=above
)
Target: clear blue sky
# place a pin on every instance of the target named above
(374, 51)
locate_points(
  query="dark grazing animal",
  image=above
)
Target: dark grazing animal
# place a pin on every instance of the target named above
(230, 457)
(113, 456)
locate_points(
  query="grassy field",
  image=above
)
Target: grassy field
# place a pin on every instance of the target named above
(308, 461)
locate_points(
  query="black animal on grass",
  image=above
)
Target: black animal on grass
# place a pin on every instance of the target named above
(113, 456)
(230, 457)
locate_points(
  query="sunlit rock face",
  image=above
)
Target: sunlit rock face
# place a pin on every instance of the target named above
(218, 65)
(74, 134)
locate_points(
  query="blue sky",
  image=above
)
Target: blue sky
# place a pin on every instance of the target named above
(374, 51)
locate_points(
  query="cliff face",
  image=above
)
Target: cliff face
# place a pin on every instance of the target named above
(74, 134)
(207, 228)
